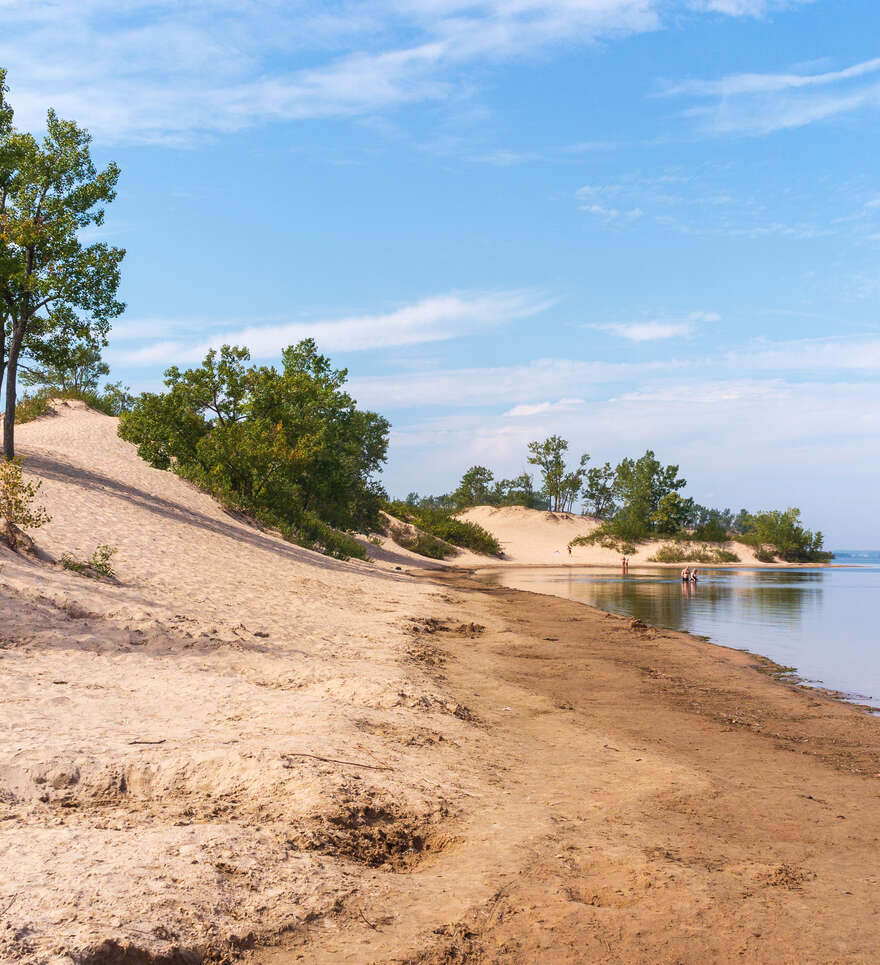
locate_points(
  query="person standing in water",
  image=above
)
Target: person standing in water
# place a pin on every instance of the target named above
(685, 575)
(694, 575)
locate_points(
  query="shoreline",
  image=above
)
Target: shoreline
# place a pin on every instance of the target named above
(644, 565)
(787, 675)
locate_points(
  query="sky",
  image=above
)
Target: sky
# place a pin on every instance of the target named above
(635, 223)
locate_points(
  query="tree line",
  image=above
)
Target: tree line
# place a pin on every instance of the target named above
(638, 499)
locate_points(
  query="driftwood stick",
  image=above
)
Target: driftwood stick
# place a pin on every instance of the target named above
(363, 917)
(333, 760)
(148, 742)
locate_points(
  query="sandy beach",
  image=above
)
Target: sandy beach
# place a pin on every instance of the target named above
(240, 750)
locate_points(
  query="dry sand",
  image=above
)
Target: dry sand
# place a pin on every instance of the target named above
(509, 777)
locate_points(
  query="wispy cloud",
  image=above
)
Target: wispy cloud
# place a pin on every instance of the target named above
(711, 201)
(164, 72)
(761, 103)
(746, 8)
(540, 408)
(526, 386)
(434, 319)
(657, 329)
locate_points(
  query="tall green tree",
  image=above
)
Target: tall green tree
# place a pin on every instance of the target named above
(560, 487)
(639, 487)
(49, 192)
(62, 360)
(598, 492)
(474, 488)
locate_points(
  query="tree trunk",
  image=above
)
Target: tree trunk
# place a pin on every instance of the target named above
(9, 417)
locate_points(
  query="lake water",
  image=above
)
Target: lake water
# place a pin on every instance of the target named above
(824, 622)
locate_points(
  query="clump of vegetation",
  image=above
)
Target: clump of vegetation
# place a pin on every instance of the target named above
(683, 553)
(605, 540)
(443, 526)
(113, 400)
(422, 543)
(18, 503)
(289, 448)
(31, 406)
(97, 565)
(779, 533)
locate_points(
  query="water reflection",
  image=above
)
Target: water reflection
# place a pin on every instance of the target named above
(819, 620)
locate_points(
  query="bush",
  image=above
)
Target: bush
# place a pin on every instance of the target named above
(98, 563)
(114, 400)
(18, 502)
(446, 528)
(603, 537)
(782, 532)
(422, 543)
(289, 448)
(677, 553)
(31, 406)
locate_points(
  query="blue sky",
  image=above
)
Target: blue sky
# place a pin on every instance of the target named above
(637, 223)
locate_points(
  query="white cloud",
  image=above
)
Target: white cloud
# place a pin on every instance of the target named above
(503, 385)
(735, 84)
(432, 319)
(657, 329)
(525, 386)
(160, 71)
(745, 8)
(539, 408)
(752, 103)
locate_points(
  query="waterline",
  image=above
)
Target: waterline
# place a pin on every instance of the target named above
(822, 621)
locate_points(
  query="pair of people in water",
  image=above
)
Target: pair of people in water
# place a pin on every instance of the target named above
(689, 574)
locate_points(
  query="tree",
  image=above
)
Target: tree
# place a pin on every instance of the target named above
(670, 514)
(598, 492)
(473, 490)
(65, 363)
(549, 457)
(49, 280)
(560, 488)
(519, 491)
(639, 487)
(571, 484)
(783, 530)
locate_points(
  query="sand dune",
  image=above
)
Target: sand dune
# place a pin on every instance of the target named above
(536, 537)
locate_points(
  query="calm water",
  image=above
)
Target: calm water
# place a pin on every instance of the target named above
(824, 622)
